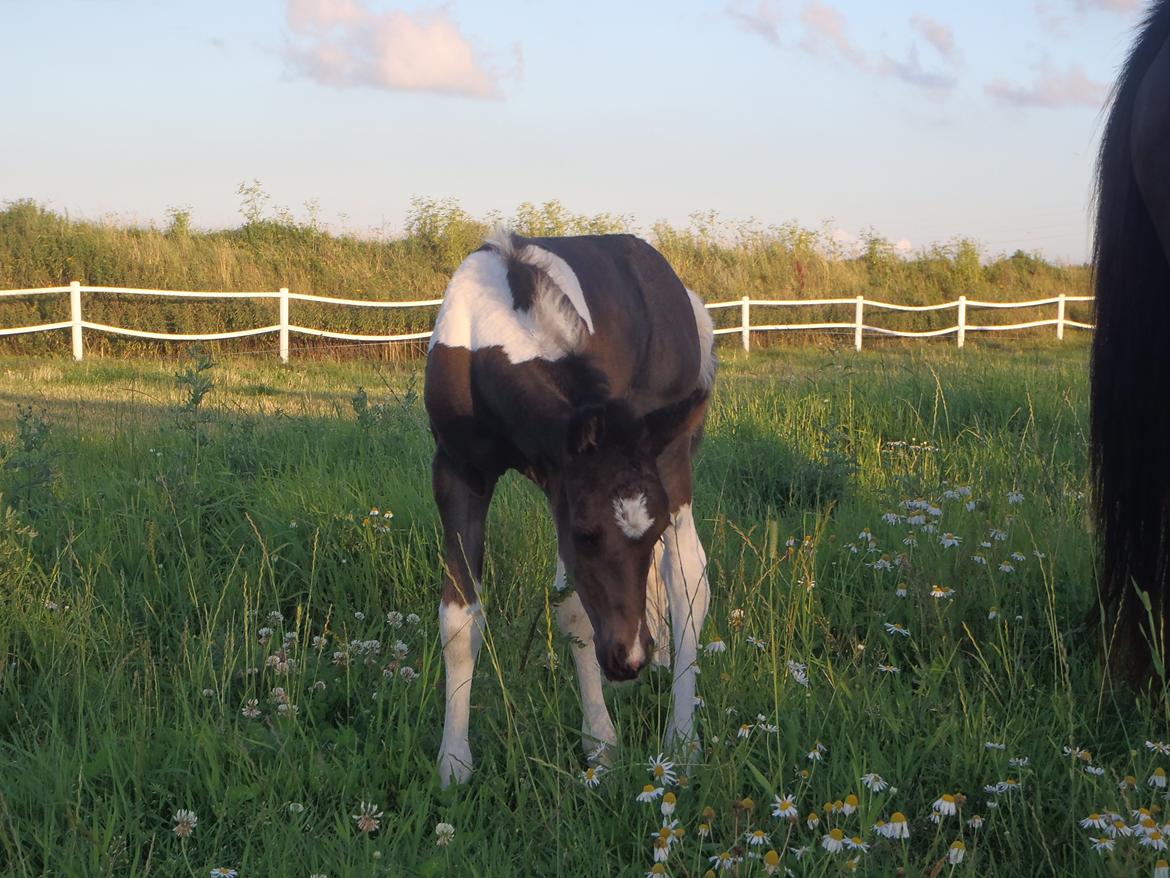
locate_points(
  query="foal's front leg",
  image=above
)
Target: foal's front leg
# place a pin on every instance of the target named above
(596, 726)
(687, 590)
(463, 512)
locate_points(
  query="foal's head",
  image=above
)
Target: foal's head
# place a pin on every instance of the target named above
(611, 508)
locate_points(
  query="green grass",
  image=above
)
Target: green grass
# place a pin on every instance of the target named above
(149, 539)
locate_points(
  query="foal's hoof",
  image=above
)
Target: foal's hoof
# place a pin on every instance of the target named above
(454, 768)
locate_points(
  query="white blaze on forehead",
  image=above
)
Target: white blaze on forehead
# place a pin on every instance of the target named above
(631, 515)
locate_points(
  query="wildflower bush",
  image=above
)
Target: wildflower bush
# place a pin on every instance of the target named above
(220, 657)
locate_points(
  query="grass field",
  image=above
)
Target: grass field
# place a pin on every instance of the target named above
(173, 548)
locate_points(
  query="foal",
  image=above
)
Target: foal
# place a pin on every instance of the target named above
(586, 365)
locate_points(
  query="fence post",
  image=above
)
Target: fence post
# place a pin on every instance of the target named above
(859, 322)
(284, 324)
(1060, 318)
(962, 320)
(75, 319)
(745, 322)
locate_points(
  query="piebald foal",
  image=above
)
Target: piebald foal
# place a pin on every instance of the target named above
(586, 365)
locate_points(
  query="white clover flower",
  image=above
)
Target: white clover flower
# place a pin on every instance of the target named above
(444, 832)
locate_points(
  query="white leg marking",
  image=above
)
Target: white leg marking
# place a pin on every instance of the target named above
(685, 569)
(461, 632)
(657, 614)
(596, 726)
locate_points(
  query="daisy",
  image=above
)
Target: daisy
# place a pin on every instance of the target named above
(784, 807)
(661, 848)
(875, 783)
(1019, 761)
(656, 870)
(725, 861)
(993, 745)
(812, 821)
(998, 535)
(833, 841)
(799, 672)
(669, 803)
(771, 862)
(937, 591)
(662, 769)
(1019, 556)
(1094, 821)
(1102, 844)
(976, 823)
(1014, 497)
(757, 642)
(1154, 840)
(704, 830)
(368, 817)
(891, 517)
(900, 591)
(1162, 869)
(756, 837)
(744, 731)
(856, 844)
(1095, 770)
(649, 793)
(979, 559)
(898, 827)
(889, 669)
(896, 628)
(956, 852)
(1006, 567)
(591, 776)
(1129, 782)
(948, 540)
(444, 832)
(1158, 778)
(850, 804)
(185, 821)
(223, 872)
(716, 645)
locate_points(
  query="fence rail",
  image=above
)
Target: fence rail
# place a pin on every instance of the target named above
(284, 328)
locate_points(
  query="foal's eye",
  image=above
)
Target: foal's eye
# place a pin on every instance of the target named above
(587, 538)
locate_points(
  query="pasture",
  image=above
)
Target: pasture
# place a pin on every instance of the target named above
(201, 610)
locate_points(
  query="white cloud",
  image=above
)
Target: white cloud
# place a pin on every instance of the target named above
(1052, 88)
(938, 35)
(1109, 5)
(344, 43)
(763, 19)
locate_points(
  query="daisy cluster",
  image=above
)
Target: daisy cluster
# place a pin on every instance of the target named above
(1142, 828)
(843, 831)
(289, 667)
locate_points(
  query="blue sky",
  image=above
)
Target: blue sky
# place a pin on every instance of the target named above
(918, 119)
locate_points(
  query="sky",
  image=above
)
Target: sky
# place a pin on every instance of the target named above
(920, 121)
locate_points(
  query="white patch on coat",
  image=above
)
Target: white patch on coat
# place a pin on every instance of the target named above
(684, 568)
(461, 633)
(478, 310)
(631, 515)
(636, 655)
(596, 725)
(706, 329)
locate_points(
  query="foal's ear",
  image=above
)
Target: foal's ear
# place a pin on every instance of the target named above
(680, 418)
(586, 429)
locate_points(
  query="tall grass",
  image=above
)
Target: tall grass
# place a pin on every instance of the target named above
(156, 525)
(718, 259)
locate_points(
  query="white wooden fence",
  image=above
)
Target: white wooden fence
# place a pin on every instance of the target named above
(76, 322)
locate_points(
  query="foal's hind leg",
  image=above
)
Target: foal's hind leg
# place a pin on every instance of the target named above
(596, 726)
(463, 510)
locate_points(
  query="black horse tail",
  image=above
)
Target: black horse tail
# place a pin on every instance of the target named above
(1130, 419)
